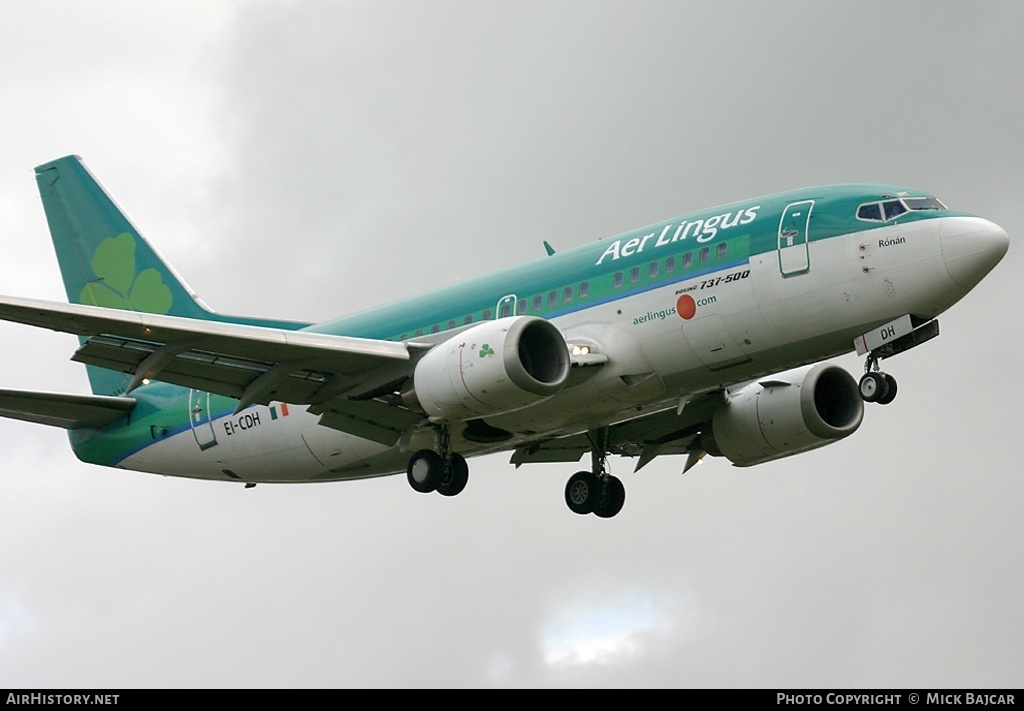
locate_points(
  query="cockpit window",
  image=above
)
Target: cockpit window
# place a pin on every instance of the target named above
(923, 204)
(888, 209)
(871, 211)
(893, 208)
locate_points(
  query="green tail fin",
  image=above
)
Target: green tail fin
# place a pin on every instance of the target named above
(105, 261)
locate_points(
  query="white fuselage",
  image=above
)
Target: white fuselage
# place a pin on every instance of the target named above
(668, 343)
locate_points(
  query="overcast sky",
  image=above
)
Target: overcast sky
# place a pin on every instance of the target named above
(309, 159)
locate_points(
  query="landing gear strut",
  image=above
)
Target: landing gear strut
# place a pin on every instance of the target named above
(596, 491)
(438, 469)
(876, 386)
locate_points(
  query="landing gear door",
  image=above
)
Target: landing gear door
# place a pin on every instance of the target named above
(794, 257)
(199, 418)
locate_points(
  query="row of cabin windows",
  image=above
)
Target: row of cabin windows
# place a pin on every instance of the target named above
(583, 290)
(703, 257)
(568, 294)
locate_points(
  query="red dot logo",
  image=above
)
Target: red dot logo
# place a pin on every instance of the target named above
(686, 307)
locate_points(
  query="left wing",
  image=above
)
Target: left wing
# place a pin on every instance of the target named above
(253, 364)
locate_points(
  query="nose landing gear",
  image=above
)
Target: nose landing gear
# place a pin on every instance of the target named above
(876, 386)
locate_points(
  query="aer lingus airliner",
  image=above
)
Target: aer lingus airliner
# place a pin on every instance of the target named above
(699, 335)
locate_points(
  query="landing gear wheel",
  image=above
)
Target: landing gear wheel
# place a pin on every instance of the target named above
(873, 387)
(425, 471)
(890, 391)
(610, 498)
(582, 491)
(455, 477)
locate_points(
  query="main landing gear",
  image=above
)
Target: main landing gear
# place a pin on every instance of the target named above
(596, 491)
(876, 386)
(438, 469)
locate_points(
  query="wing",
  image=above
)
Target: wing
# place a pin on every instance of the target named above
(253, 364)
(64, 409)
(671, 431)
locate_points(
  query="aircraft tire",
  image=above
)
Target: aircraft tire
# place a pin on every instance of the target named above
(610, 498)
(890, 390)
(455, 478)
(581, 492)
(873, 387)
(425, 470)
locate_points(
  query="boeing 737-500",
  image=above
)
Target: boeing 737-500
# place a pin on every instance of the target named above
(703, 334)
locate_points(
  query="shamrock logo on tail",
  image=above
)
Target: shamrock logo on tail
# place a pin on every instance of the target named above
(486, 351)
(118, 286)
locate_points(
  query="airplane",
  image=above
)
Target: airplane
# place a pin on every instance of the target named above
(700, 335)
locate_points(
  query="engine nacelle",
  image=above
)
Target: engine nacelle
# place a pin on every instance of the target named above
(786, 414)
(495, 367)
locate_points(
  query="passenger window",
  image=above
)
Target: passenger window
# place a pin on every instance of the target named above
(538, 302)
(436, 328)
(487, 315)
(419, 332)
(567, 294)
(468, 320)
(634, 275)
(704, 254)
(687, 260)
(722, 249)
(617, 280)
(584, 289)
(451, 325)
(652, 270)
(521, 307)
(552, 298)
(506, 310)
(670, 265)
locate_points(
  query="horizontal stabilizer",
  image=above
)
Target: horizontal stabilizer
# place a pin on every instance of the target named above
(63, 409)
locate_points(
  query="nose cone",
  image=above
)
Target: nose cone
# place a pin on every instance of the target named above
(971, 247)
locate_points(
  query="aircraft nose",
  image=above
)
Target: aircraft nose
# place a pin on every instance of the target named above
(971, 247)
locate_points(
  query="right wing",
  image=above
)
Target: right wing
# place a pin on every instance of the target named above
(670, 431)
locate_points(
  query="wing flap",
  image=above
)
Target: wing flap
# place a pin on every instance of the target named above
(560, 449)
(369, 419)
(667, 431)
(63, 409)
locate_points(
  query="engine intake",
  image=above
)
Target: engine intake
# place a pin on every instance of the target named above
(787, 414)
(494, 367)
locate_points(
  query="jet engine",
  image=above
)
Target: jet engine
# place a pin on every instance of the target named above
(495, 367)
(786, 414)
